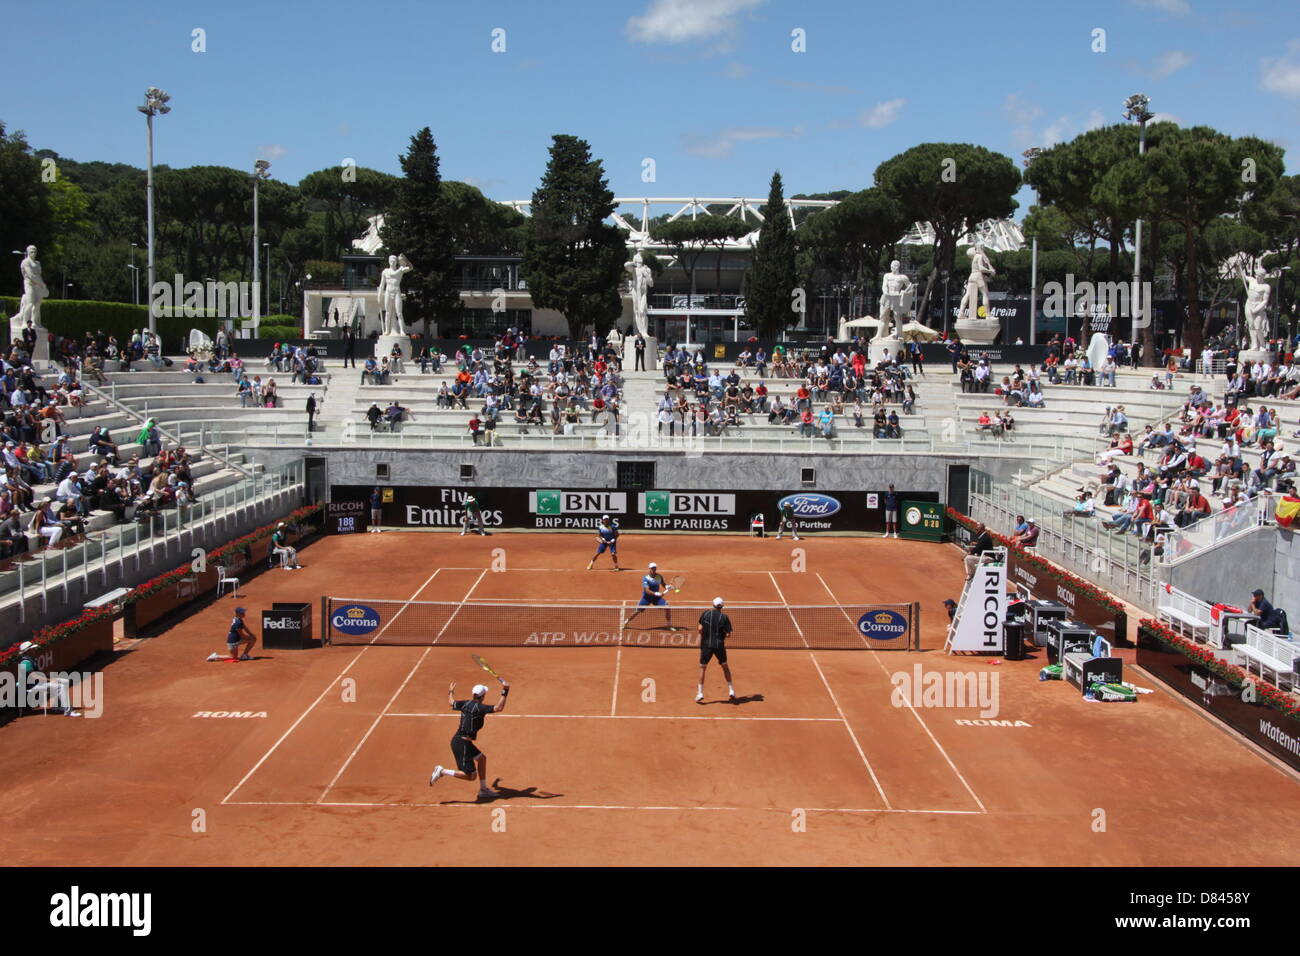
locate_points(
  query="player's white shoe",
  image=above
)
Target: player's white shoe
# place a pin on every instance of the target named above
(797, 538)
(699, 697)
(433, 777)
(462, 532)
(214, 656)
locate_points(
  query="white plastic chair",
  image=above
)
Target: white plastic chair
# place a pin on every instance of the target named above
(223, 579)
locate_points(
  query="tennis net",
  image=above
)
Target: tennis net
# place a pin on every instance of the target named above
(483, 624)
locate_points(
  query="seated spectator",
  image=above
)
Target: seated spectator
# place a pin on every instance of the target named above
(1118, 447)
(1084, 506)
(370, 371)
(374, 416)
(1195, 506)
(826, 421)
(44, 522)
(1267, 617)
(476, 429)
(395, 414)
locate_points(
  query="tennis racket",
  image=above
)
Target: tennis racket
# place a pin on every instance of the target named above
(677, 582)
(487, 667)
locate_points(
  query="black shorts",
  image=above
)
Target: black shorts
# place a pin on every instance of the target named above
(465, 753)
(720, 652)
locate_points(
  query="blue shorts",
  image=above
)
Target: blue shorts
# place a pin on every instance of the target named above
(647, 600)
(611, 545)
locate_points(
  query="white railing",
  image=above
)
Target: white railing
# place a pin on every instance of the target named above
(1120, 563)
(1218, 527)
(243, 433)
(41, 573)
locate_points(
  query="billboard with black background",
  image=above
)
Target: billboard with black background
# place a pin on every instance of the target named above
(570, 509)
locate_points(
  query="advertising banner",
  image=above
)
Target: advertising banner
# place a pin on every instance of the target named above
(983, 611)
(564, 509)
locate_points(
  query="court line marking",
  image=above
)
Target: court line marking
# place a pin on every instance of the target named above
(328, 688)
(817, 720)
(452, 616)
(924, 726)
(834, 700)
(397, 693)
(590, 806)
(375, 723)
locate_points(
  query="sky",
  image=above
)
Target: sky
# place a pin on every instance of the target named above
(717, 93)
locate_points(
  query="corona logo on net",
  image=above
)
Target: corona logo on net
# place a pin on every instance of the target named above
(355, 619)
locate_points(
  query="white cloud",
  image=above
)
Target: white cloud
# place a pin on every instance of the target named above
(1096, 120)
(678, 21)
(882, 114)
(272, 152)
(1169, 63)
(1057, 132)
(1166, 118)
(722, 144)
(1177, 7)
(1281, 75)
(735, 71)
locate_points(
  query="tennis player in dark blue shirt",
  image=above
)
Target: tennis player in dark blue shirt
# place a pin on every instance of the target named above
(471, 761)
(607, 536)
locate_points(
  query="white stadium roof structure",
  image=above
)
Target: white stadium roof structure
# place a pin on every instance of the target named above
(631, 214)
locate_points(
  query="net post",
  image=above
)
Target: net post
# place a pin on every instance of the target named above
(325, 621)
(916, 625)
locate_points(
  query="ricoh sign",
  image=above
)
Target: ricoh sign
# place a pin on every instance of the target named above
(666, 509)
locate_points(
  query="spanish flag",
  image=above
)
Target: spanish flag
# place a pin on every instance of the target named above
(1288, 508)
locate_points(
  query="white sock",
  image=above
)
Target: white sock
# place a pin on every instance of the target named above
(699, 688)
(731, 690)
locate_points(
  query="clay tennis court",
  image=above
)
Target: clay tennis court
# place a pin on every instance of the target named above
(603, 756)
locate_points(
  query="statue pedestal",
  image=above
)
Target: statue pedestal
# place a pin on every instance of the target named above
(629, 353)
(384, 346)
(1253, 355)
(876, 349)
(977, 331)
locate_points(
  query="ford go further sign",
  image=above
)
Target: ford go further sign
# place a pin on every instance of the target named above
(882, 625)
(355, 620)
(810, 505)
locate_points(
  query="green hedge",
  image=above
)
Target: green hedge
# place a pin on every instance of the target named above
(279, 333)
(73, 317)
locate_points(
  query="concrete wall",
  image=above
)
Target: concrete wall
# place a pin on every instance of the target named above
(1286, 575)
(598, 469)
(1232, 570)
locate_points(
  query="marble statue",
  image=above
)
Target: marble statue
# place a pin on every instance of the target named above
(642, 281)
(390, 295)
(34, 291)
(1257, 293)
(614, 340)
(977, 286)
(895, 301)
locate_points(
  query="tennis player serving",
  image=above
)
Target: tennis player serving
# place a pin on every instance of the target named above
(654, 593)
(471, 761)
(607, 536)
(714, 628)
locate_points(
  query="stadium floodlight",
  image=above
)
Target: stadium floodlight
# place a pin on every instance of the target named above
(155, 103)
(1031, 154)
(1136, 111)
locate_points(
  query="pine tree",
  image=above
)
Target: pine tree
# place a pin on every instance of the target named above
(416, 226)
(772, 279)
(573, 260)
